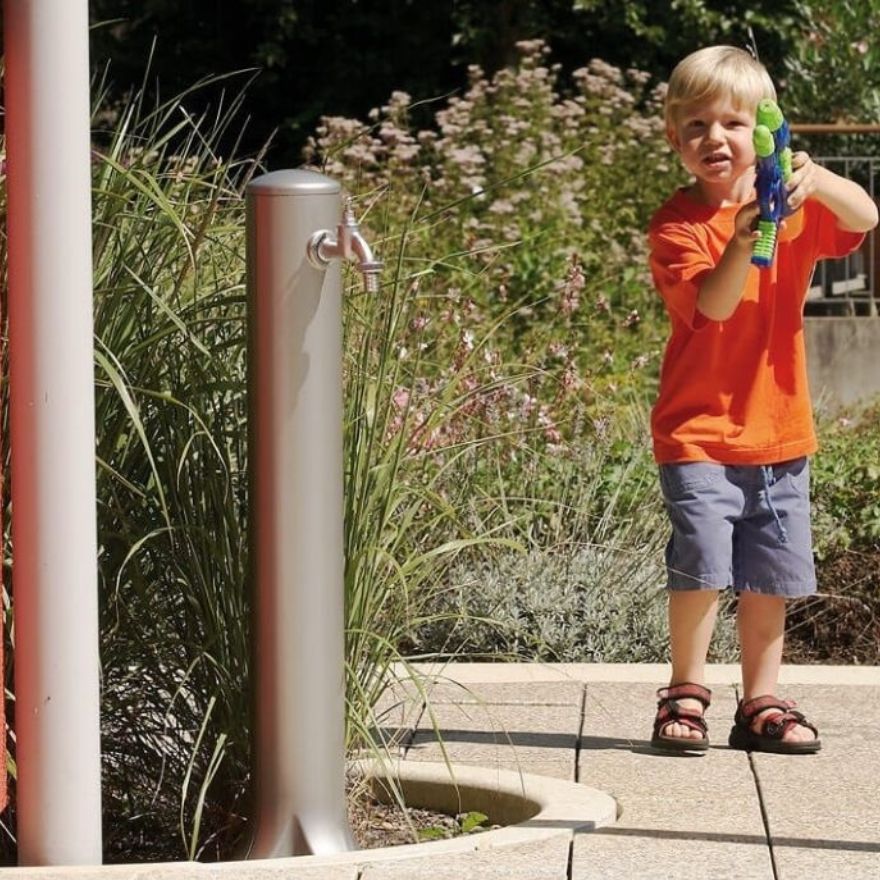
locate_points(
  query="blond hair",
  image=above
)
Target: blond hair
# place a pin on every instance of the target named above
(716, 72)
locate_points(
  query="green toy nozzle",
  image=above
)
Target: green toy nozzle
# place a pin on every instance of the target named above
(763, 140)
(769, 114)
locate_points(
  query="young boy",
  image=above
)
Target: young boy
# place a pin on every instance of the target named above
(732, 426)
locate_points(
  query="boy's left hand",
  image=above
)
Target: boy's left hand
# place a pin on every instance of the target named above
(803, 181)
(854, 209)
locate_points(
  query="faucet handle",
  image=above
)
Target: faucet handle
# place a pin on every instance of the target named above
(348, 218)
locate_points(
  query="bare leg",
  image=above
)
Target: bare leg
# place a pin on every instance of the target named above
(761, 624)
(691, 622)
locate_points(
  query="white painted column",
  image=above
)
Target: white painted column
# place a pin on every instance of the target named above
(52, 432)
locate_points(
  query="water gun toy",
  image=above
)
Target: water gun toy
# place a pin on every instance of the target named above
(771, 139)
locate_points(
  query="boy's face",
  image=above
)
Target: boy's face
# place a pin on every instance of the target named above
(714, 142)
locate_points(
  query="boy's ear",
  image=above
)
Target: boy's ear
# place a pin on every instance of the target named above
(672, 138)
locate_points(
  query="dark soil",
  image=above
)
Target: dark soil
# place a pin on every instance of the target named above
(841, 625)
(376, 825)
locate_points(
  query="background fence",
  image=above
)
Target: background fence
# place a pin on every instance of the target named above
(849, 286)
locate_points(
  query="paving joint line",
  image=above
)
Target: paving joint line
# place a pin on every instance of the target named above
(765, 817)
(406, 743)
(580, 734)
(569, 867)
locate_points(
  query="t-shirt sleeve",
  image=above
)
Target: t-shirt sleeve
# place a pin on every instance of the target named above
(830, 240)
(678, 265)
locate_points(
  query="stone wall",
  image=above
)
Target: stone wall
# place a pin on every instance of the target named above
(843, 354)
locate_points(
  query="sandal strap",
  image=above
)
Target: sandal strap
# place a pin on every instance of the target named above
(671, 713)
(749, 708)
(774, 725)
(686, 690)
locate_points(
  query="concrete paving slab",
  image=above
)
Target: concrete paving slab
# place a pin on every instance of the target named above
(537, 860)
(797, 862)
(395, 707)
(490, 732)
(673, 809)
(831, 795)
(396, 716)
(625, 853)
(563, 770)
(552, 769)
(553, 693)
(399, 702)
(823, 810)
(619, 717)
(258, 870)
(582, 672)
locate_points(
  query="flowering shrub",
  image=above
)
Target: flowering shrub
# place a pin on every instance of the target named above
(519, 226)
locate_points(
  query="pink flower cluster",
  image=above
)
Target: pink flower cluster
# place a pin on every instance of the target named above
(523, 209)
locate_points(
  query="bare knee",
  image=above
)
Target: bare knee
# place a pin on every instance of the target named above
(760, 613)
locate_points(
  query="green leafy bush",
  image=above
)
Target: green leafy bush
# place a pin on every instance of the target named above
(832, 72)
(846, 483)
(841, 624)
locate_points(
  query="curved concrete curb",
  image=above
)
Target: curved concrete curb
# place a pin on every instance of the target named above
(529, 806)
(533, 808)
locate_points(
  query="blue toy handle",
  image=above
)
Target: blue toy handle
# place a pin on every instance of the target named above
(771, 138)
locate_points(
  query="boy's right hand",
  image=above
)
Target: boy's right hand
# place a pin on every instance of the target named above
(745, 232)
(721, 289)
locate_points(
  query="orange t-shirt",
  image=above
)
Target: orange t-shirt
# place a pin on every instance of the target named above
(736, 391)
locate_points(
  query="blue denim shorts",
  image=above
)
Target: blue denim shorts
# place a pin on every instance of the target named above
(740, 526)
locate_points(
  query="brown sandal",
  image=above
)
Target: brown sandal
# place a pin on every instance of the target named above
(774, 726)
(670, 712)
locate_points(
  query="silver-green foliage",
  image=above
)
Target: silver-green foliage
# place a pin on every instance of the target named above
(593, 604)
(590, 587)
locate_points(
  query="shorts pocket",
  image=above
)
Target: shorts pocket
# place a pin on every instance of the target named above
(797, 476)
(680, 480)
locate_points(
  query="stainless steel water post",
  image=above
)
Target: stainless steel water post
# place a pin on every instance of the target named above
(296, 508)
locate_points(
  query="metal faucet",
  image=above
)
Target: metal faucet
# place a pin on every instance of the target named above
(348, 244)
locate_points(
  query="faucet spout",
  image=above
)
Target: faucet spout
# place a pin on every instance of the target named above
(367, 264)
(348, 244)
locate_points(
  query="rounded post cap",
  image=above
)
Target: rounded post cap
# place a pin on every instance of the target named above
(294, 181)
